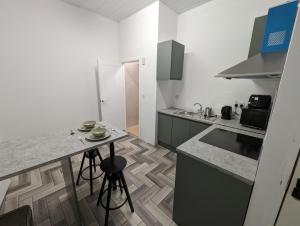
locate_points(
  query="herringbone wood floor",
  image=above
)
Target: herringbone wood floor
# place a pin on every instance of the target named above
(150, 176)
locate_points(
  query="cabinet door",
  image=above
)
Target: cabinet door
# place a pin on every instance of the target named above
(164, 129)
(180, 131)
(177, 61)
(164, 55)
(197, 127)
(206, 196)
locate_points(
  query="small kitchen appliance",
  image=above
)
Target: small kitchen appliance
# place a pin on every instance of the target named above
(208, 112)
(258, 112)
(226, 112)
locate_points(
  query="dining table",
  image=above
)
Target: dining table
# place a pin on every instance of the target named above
(21, 155)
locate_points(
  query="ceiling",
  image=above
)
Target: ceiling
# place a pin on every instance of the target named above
(120, 9)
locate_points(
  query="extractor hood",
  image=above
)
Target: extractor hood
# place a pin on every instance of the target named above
(269, 45)
(262, 65)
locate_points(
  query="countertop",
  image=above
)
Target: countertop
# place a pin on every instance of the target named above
(172, 112)
(236, 165)
(17, 156)
(233, 123)
(239, 166)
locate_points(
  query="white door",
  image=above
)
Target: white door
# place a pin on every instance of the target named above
(290, 210)
(111, 95)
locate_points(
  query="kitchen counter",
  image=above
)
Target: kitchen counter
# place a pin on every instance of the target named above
(172, 111)
(239, 166)
(234, 123)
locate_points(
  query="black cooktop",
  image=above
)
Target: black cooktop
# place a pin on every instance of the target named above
(235, 142)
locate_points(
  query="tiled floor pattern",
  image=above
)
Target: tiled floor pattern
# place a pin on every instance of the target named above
(150, 176)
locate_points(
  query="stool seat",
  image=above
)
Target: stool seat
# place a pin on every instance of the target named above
(91, 154)
(113, 167)
(19, 217)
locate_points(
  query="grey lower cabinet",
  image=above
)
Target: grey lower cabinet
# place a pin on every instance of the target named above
(196, 128)
(180, 131)
(164, 130)
(172, 131)
(206, 196)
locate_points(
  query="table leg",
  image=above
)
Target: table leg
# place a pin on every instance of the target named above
(112, 151)
(71, 189)
(112, 158)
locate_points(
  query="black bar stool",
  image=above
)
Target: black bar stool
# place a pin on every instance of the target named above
(113, 172)
(18, 217)
(91, 155)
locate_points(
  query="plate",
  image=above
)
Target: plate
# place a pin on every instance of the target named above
(91, 137)
(84, 129)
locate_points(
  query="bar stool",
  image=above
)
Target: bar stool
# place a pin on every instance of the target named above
(18, 217)
(91, 155)
(113, 172)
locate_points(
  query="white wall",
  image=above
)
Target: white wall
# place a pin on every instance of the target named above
(281, 145)
(138, 38)
(217, 36)
(48, 56)
(131, 73)
(167, 30)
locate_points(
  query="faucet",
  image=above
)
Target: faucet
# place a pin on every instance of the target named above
(200, 107)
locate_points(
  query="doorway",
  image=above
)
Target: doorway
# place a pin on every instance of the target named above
(131, 77)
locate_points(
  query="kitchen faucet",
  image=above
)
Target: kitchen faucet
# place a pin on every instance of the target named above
(200, 107)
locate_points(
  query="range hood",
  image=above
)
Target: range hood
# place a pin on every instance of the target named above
(260, 66)
(269, 45)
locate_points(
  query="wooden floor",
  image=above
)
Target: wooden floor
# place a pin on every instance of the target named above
(134, 130)
(150, 175)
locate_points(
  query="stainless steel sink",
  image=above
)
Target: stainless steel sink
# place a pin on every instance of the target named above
(187, 113)
(195, 115)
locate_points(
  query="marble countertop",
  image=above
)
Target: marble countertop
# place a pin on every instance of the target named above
(20, 155)
(173, 111)
(234, 123)
(236, 165)
(239, 166)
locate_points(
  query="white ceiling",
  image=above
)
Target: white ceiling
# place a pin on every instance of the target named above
(180, 6)
(120, 9)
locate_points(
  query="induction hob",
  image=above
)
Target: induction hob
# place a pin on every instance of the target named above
(234, 142)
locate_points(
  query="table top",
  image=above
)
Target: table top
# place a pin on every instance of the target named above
(21, 155)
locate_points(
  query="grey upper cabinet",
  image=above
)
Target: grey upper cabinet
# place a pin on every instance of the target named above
(170, 56)
(197, 127)
(180, 131)
(164, 129)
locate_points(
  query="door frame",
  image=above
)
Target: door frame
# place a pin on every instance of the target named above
(140, 61)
